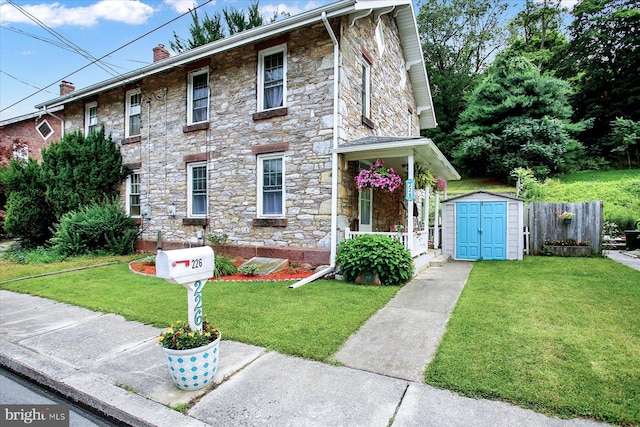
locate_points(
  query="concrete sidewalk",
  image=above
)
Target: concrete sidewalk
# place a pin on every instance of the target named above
(117, 368)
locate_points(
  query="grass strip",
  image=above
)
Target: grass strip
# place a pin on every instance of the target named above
(312, 321)
(558, 335)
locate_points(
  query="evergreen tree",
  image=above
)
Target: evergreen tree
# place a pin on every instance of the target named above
(517, 118)
(79, 171)
(29, 216)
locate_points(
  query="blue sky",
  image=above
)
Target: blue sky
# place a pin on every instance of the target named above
(32, 58)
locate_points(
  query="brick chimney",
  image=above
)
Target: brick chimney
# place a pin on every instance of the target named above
(66, 88)
(160, 53)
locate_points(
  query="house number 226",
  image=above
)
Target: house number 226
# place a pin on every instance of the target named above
(196, 263)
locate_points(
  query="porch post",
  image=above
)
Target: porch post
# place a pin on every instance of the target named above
(427, 192)
(436, 220)
(410, 210)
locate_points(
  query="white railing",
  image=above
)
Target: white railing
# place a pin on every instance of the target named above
(420, 239)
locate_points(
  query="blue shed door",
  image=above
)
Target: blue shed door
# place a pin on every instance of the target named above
(481, 230)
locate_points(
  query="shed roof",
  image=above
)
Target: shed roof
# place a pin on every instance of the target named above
(497, 195)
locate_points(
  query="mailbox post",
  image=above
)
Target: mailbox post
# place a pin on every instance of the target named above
(190, 268)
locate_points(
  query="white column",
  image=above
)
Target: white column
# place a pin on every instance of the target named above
(427, 192)
(436, 220)
(410, 210)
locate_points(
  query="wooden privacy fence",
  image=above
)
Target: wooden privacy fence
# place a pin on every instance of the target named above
(544, 224)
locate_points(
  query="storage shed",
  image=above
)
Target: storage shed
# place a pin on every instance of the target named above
(483, 225)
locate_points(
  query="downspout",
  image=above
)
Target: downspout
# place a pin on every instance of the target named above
(334, 163)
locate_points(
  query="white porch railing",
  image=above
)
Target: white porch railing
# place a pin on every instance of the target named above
(420, 239)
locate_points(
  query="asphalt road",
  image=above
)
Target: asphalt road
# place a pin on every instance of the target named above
(17, 390)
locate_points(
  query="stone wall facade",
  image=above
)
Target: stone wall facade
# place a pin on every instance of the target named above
(235, 135)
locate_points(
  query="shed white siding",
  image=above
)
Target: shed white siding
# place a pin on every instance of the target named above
(514, 223)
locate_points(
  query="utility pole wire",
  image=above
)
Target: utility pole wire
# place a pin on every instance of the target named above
(104, 56)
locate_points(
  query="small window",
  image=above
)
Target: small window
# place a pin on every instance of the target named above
(366, 88)
(271, 194)
(198, 96)
(90, 118)
(133, 194)
(132, 112)
(197, 190)
(45, 130)
(272, 78)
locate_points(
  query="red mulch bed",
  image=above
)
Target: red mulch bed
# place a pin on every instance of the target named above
(148, 268)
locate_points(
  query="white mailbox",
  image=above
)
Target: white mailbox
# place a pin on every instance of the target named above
(184, 266)
(190, 268)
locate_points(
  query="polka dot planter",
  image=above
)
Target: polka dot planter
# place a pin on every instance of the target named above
(195, 368)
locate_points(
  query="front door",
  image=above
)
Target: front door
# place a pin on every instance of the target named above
(365, 213)
(481, 230)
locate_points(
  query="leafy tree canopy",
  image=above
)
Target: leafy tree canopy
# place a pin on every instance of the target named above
(214, 28)
(604, 53)
(459, 39)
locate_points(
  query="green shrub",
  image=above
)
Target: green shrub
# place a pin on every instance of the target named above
(371, 253)
(96, 228)
(39, 255)
(224, 266)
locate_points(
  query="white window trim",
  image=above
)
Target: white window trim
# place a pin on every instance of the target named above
(87, 117)
(190, 167)
(128, 194)
(50, 127)
(266, 52)
(191, 75)
(261, 158)
(366, 108)
(129, 111)
(21, 154)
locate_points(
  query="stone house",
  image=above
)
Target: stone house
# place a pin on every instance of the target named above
(260, 135)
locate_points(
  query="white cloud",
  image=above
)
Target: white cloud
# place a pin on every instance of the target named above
(182, 6)
(268, 10)
(57, 14)
(26, 53)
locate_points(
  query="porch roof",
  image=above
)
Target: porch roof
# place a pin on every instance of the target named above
(422, 149)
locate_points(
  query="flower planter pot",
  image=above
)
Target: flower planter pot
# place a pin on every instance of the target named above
(632, 239)
(195, 368)
(567, 250)
(566, 220)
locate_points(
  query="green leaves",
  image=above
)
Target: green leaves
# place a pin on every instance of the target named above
(372, 253)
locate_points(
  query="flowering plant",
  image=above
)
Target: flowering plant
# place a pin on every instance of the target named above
(569, 242)
(564, 215)
(441, 185)
(397, 228)
(377, 176)
(179, 336)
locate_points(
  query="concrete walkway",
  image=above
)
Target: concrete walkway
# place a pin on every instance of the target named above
(402, 338)
(628, 258)
(117, 368)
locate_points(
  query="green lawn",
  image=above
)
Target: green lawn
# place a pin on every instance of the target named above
(312, 321)
(469, 185)
(558, 335)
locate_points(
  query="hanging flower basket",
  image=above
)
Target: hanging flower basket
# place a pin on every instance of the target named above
(377, 176)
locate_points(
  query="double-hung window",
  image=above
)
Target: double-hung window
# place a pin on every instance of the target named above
(366, 88)
(198, 96)
(197, 190)
(272, 78)
(271, 195)
(90, 118)
(133, 194)
(132, 112)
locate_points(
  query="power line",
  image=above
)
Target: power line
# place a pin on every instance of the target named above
(64, 40)
(21, 81)
(110, 53)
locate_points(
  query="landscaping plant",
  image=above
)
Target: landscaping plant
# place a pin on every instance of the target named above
(371, 253)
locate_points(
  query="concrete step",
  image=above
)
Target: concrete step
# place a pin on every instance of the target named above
(440, 260)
